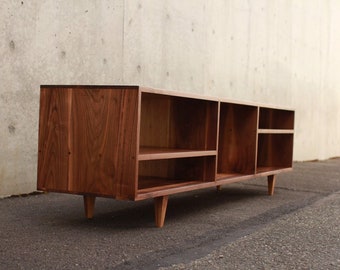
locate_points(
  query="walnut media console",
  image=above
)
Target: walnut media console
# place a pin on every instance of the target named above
(135, 143)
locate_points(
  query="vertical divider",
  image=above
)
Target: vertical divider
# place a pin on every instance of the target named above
(70, 139)
(138, 141)
(257, 136)
(217, 139)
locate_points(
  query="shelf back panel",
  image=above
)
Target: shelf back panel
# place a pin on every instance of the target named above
(178, 122)
(276, 119)
(237, 139)
(275, 150)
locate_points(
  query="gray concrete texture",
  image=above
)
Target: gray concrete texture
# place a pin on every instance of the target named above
(284, 53)
(240, 227)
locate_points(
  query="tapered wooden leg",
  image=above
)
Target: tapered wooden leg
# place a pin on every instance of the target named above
(219, 188)
(160, 210)
(271, 184)
(89, 205)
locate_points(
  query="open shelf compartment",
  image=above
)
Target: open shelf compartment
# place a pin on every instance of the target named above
(276, 119)
(275, 152)
(176, 124)
(237, 140)
(155, 175)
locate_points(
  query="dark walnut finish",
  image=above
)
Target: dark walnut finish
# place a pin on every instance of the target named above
(135, 143)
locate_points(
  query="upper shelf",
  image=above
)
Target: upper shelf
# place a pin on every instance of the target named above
(276, 119)
(171, 122)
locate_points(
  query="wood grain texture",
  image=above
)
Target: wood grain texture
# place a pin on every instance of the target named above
(128, 143)
(53, 147)
(176, 188)
(153, 153)
(92, 141)
(181, 123)
(89, 202)
(193, 124)
(151, 184)
(155, 173)
(271, 184)
(276, 119)
(104, 142)
(237, 139)
(126, 147)
(88, 140)
(155, 121)
(161, 204)
(274, 151)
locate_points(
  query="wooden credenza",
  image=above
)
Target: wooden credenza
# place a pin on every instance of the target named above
(135, 143)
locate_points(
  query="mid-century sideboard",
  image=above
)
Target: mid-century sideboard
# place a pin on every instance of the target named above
(136, 143)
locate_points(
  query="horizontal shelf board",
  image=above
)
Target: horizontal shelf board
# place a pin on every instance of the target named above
(268, 170)
(151, 153)
(275, 131)
(220, 176)
(226, 178)
(167, 185)
(151, 187)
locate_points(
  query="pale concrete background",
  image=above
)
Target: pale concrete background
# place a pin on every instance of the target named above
(281, 52)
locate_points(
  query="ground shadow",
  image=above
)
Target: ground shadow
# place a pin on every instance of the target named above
(110, 213)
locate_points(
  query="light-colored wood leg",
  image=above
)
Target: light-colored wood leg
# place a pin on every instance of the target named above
(219, 188)
(271, 184)
(160, 210)
(89, 202)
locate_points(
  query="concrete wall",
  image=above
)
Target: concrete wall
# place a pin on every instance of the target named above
(283, 52)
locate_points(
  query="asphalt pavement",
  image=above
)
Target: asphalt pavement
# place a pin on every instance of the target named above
(239, 227)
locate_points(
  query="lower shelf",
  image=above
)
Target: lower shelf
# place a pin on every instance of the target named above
(150, 187)
(221, 176)
(149, 184)
(227, 178)
(273, 170)
(166, 176)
